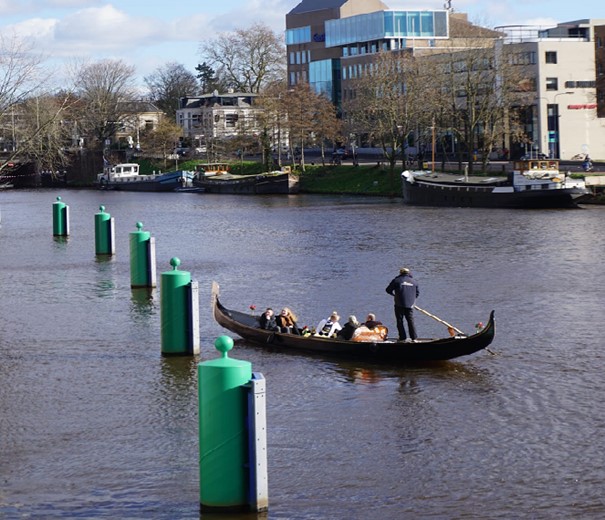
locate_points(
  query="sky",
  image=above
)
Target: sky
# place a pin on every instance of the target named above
(148, 34)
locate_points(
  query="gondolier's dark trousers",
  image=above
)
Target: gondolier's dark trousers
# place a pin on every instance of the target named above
(408, 313)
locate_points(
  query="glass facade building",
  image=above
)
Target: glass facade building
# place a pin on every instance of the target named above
(324, 78)
(327, 49)
(386, 24)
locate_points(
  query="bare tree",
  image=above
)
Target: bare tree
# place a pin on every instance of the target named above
(247, 59)
(103, 87)
(29, 114)
(390, 102)
(43, 137)
(169, 83)
(163, 137)
(308, 117)
(271, 121)
(328, 127)
(481, 90)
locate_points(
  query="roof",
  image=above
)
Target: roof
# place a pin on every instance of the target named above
(138, 107)
(316, 5)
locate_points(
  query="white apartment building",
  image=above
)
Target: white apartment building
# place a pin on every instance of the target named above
(216, 116)
(563, 121)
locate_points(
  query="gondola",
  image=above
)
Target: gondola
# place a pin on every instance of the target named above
(389, 351)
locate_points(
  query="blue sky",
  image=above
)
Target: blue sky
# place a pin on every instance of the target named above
(150, 33)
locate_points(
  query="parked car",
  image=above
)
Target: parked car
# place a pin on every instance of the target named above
(342, 153)
(537, 155)
(181, 151)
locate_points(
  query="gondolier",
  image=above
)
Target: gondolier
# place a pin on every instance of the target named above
(405, 290)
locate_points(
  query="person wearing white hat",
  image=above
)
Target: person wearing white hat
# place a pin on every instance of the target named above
(405, 290)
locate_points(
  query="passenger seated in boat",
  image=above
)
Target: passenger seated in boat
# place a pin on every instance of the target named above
(286, 321)
(371, 322)
(371, 330)
(328, 327)
(267, 320)
(349, 328)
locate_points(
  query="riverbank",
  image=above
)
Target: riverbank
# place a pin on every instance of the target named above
(350, 180)
(364, 179)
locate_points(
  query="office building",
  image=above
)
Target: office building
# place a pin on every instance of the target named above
(330, 44)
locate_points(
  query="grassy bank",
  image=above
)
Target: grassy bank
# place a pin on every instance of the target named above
(365, 179)
(347, 179)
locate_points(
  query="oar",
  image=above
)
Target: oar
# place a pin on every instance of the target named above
(448, 325)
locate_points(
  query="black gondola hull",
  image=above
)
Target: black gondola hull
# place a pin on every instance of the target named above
(392, 352)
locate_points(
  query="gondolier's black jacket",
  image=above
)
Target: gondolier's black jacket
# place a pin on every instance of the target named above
(405, 290)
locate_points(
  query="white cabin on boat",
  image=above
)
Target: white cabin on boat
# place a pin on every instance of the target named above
(121, 171)
(124, 172)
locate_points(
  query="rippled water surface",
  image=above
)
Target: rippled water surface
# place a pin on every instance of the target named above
(95, 423)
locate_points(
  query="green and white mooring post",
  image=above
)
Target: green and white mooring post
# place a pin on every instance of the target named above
(179, 312)
(142, 258)
(232, 434)
(104, 233)
(60, 218)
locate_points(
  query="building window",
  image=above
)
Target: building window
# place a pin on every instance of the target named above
(231, 120)
(523, 58)
(298, 35)
(552, 84)
(292, 58)
(551, 57)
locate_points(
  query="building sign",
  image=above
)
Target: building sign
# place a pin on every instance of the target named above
(319, 37)
(581, 107)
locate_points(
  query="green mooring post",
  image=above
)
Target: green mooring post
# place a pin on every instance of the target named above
(104, 233)
(60, 218)
(223, 434)
(179, 312)
(142, 258)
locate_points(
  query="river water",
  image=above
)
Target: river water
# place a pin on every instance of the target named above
(95, 423)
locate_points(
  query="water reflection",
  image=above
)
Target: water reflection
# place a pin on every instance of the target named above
(178, 372)
(60, 242)
(143, 300)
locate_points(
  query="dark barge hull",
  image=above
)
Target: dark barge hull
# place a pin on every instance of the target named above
(172, 181)
(462, 196)
(391, 352)
(281, 184)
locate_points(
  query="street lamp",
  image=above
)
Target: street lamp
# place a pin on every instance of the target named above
(557, 138)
